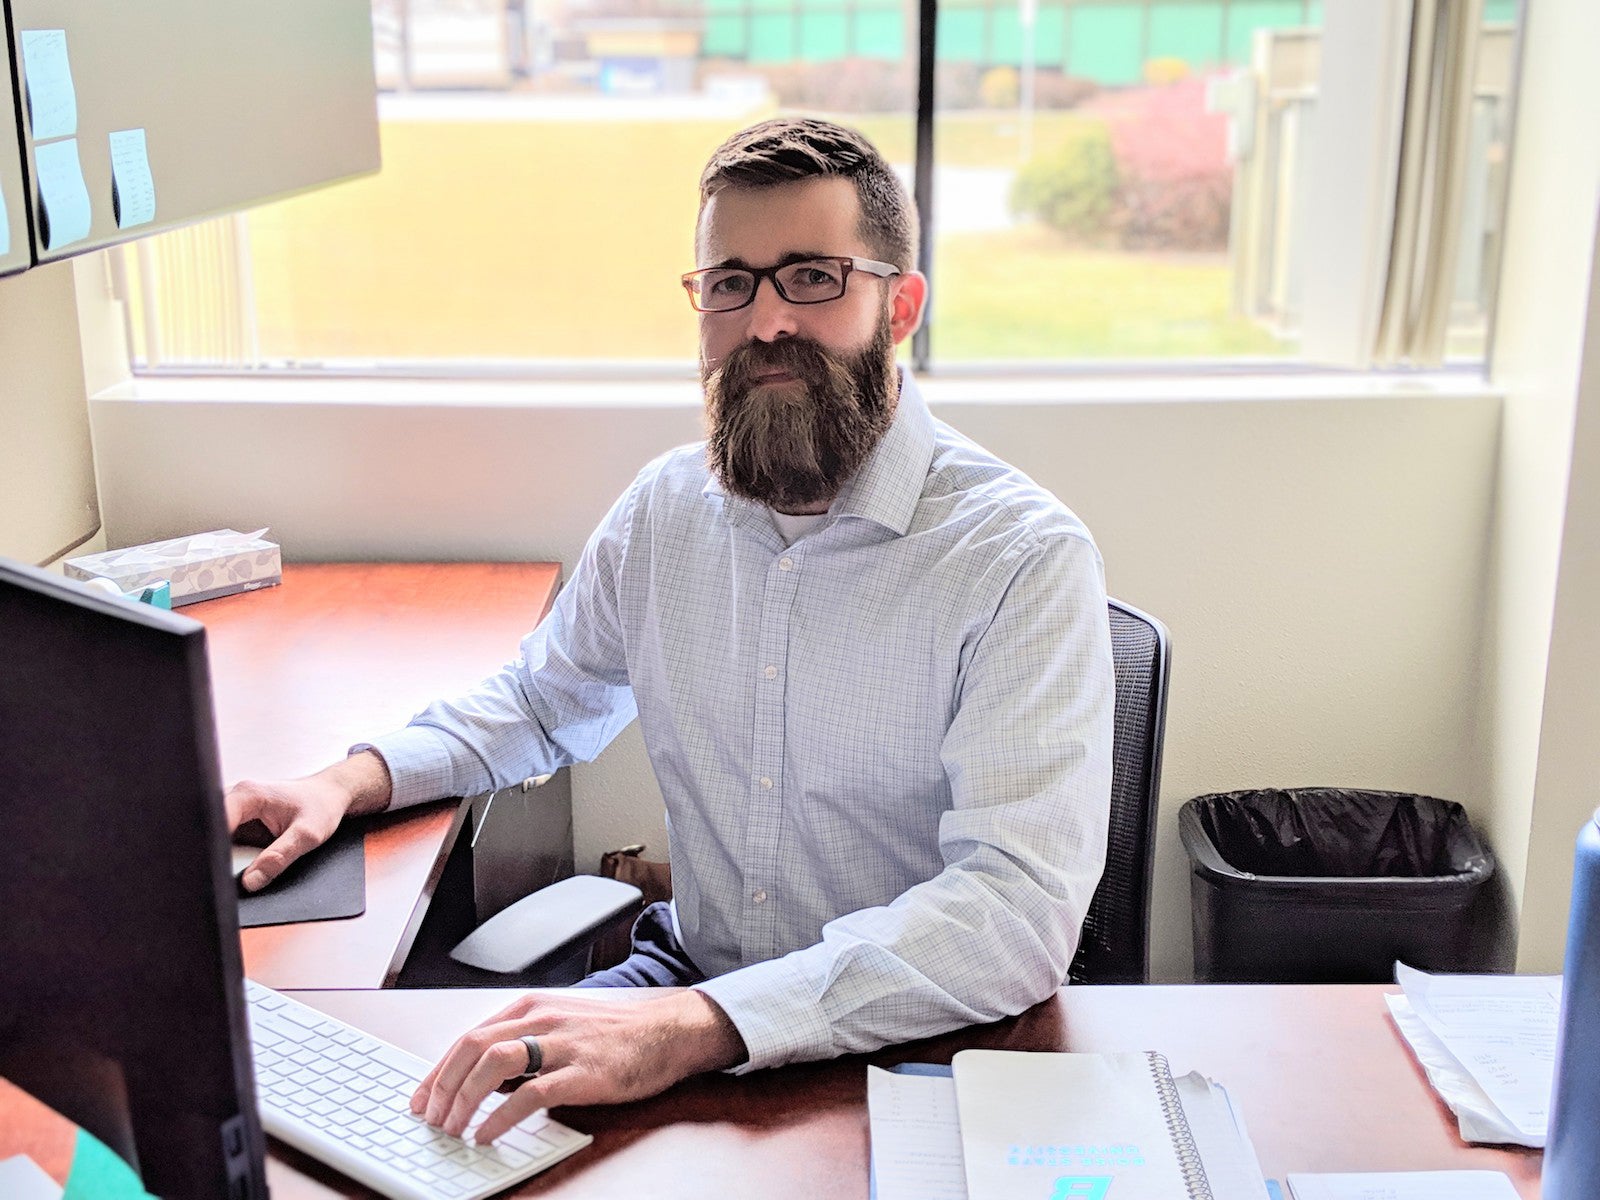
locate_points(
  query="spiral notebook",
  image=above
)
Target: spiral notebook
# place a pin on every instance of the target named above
(1075, 1127)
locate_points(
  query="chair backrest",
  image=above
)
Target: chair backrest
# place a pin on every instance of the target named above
(1115, 947)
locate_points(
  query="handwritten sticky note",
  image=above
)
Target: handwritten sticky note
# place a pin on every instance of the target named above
(63, 196)
(133, 191)
(47, 73)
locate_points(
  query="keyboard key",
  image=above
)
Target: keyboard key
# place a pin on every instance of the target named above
(303, 1017)
(558, 1136)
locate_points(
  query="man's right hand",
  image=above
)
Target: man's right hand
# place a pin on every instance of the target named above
(301, 814)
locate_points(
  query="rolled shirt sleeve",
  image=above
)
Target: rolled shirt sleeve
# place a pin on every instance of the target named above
(561, 700)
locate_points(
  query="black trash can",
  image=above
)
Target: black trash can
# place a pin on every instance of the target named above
(1331, 885)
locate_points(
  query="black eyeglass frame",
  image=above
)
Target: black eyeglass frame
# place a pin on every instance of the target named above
(846, 263)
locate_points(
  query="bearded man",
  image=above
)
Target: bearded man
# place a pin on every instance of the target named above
(870, 662)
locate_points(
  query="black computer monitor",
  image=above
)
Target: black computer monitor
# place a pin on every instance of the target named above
(121, 982)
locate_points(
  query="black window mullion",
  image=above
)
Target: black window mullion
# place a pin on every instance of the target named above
(927, 29)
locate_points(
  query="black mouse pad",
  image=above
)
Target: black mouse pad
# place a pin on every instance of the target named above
(329, 882)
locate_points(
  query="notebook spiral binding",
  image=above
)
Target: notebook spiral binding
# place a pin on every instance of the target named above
(1189, 1162)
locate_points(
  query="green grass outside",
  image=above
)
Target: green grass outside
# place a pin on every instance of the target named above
(970, 139)
(524, 239)
(1025, 293)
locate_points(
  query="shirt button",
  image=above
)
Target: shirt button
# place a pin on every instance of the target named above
(786, 564)
(771, 672)
(766, 783)
(759, 896)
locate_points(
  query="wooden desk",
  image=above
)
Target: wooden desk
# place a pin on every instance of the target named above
(1322, 1076)
(340, 652)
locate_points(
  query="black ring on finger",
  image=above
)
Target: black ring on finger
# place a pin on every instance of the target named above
(535, 1056)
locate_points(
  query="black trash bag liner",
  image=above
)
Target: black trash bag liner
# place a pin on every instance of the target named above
(1339, 833)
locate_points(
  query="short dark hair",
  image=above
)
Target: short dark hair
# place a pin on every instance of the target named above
(787, 149)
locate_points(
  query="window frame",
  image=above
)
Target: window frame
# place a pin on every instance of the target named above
(1353, 255)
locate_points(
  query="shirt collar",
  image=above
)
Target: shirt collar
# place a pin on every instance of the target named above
(887, 487)
(890, 482)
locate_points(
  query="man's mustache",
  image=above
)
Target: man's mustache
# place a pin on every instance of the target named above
(797, 355)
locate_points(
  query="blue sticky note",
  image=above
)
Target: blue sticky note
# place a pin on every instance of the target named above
(47, 76)
(133, 191)
(62, 194)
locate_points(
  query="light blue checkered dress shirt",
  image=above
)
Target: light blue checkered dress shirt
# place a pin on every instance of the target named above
(885, 749)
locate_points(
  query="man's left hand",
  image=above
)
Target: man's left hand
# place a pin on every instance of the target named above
(595, 1052)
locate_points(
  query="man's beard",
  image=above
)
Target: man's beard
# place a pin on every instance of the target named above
(793, 445)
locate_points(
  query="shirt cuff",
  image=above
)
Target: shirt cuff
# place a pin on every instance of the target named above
(421, 767)
(774, 1007)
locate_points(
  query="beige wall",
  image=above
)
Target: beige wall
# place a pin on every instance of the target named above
(1565, 793)
(1320, 561)
(1542, 311)
(47, 493)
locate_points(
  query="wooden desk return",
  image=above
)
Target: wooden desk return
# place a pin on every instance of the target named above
(343, 651)
(1323, 1079)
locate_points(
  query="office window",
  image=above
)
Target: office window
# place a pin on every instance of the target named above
(1115, 180)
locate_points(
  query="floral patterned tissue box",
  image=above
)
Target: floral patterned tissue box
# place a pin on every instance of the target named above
(202, 566)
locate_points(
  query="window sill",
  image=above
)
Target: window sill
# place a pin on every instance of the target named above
(1218, 387)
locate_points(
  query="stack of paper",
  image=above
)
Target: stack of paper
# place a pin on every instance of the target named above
(1405, 1185)
(1488, 1045)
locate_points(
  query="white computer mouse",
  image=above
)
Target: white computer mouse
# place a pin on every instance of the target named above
(243, 856)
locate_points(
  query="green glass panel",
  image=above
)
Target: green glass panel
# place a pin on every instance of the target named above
(823, 34)
(771, 37)
(724, 37)
(1247, 16)
(1189, 31)
(1005, 37)
(1104, 43)
(880, 33)
(960, 35)
(1050, 37)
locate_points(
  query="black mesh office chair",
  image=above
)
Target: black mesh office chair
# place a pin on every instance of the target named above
(1115, 947)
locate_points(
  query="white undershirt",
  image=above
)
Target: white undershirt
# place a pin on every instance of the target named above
(792, 527)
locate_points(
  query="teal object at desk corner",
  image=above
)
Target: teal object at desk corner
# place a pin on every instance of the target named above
(1572, 1150)
(98, 1173)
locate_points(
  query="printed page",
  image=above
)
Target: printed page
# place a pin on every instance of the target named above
(1405, 1185)
(1502, 1029)
(1066, 1125)
(916, 1138)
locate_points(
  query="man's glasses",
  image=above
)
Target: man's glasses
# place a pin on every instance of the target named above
(813, 281)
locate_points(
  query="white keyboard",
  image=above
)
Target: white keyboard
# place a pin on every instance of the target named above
(344, 1097)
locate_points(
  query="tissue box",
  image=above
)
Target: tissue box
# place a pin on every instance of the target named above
(200, 567)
